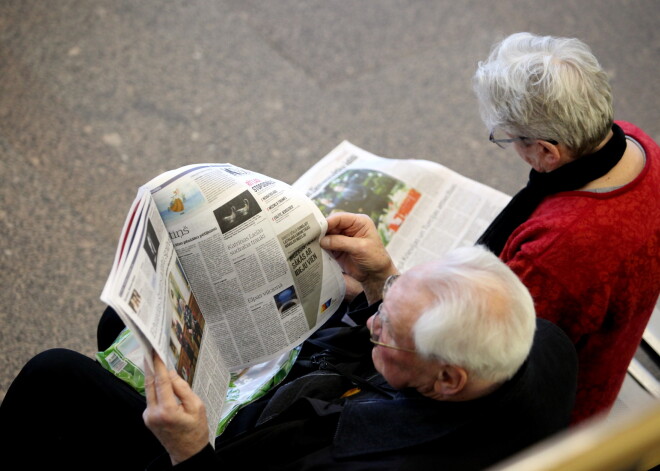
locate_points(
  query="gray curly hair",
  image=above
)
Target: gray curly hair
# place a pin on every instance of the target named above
(545, 87)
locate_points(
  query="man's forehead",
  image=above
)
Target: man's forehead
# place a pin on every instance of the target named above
(408, 296)
(419, 277)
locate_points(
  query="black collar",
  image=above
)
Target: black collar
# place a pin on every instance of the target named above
(570, 176)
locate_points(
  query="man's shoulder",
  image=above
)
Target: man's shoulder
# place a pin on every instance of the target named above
(550, 378)
(551, 340)
(546, 329)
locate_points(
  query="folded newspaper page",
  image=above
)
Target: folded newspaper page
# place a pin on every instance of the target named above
(421, 208)
(219, 269)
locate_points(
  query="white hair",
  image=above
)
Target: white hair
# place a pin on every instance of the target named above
(483, 319)
(544, 87)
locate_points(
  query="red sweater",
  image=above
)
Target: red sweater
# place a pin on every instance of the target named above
(592, 264)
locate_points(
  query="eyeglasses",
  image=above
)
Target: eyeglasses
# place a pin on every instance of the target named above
(379, 319)
(497, 138)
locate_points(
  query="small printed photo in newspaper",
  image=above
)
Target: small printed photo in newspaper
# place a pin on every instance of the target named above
(286, 301)
(151, 243)
(385, 199)
(184, 198)
(236, 211)
(186, 327)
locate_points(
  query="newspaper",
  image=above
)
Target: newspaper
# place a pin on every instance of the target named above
(421, 208)
(219, 269)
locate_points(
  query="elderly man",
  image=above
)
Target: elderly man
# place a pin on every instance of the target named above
(458, 374)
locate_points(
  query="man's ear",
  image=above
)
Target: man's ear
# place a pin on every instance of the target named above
(451, 380)
(550, 155)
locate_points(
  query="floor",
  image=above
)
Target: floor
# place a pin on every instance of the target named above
(99, 96)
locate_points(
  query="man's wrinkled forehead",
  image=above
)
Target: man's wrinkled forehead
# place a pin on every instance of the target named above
(420, 278)
(410, 294)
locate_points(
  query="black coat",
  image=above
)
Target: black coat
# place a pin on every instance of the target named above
(305, 424)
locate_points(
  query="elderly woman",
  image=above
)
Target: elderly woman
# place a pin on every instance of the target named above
(584, 234)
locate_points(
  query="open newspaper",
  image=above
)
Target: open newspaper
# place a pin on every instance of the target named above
(247, 247)
(422, 209)
(219, 269)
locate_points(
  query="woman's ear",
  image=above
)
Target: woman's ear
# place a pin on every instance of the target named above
(551, 156)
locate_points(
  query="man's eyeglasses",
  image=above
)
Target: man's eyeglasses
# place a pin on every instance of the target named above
(497, 138)
(379, 319)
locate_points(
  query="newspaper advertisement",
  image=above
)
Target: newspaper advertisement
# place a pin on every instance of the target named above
(220, 269)
(421, 208)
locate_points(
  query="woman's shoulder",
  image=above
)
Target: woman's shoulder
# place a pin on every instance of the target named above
(637, 133)
(576, 227)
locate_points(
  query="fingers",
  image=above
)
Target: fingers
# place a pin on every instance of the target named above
(189, 400)
(342, 243)
(175, 414)
(165, 387)
(150, 378)
(350, 233)
(337, 222)
(159, 388)
(159, 366)
(161, 401)
(150, 389)
(163, 383)
(350, 224)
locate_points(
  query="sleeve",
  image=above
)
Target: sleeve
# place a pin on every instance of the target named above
(205, 460)
(359, 310)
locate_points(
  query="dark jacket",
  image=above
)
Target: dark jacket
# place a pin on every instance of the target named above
(306, 425)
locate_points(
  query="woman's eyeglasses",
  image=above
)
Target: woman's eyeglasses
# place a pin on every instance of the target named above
(497, 138)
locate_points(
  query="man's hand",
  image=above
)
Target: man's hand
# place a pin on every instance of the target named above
(354, 242)
(174, 413)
